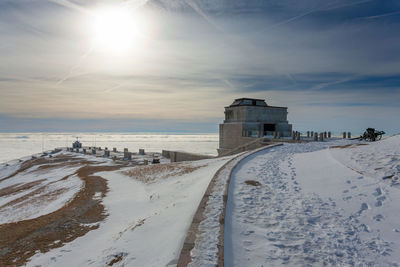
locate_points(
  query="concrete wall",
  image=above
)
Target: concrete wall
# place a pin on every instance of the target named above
(179, 156)
(255, 114)
(253, 144)
(231, 135)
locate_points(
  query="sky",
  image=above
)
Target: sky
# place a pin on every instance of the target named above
(158, 65)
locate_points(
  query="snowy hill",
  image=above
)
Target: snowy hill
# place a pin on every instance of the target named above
(319, 203)
(73, 210)
(333, 203)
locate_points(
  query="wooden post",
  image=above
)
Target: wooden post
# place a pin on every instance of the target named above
(275, 135)
(349, 135)
(93, 151)
(329, 135)
(141, 151)
(114, 149)
(344, 135)
(315, 136)
(308, 134)
(298, 136)
(279, 135)
(325, 135)
(321, 137)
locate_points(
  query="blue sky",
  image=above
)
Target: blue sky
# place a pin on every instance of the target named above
(334, 63)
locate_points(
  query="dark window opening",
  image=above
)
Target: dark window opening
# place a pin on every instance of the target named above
(269, 127)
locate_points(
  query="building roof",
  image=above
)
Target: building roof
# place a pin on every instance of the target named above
(251, 102)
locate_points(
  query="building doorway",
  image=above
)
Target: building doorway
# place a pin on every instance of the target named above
(269, 129)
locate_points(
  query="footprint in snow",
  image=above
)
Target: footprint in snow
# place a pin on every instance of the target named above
(378, 191)
(378, 217)
(364, 207)
(365, 228)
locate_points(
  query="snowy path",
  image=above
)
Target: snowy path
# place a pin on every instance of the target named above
(309, 209)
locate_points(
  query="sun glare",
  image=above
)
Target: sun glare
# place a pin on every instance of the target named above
(116, 29)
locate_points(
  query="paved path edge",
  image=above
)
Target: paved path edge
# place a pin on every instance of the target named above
(190, 240)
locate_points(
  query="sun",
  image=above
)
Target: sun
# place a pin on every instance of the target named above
(116, 29)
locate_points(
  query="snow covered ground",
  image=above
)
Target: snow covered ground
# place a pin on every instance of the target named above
(316, 205)
(319, 203)
(148, 217)
(35, 191)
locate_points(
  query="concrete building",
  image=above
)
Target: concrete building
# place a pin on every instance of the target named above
(247, 119)
(77, 144)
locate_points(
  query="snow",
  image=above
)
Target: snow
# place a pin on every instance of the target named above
(205, 251)
(147, 222)
(320, 203)
(316, 206)
(48, 193)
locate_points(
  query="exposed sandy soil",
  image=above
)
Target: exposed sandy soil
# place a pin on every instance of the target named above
(253, 183)
(21, 240)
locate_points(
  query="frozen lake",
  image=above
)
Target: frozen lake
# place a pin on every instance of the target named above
(17, 145)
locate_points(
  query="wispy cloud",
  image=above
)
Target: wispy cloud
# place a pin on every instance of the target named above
(199, 56)
(69, 4)
(383, 15)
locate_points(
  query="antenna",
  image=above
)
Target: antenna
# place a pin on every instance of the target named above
(42, 142)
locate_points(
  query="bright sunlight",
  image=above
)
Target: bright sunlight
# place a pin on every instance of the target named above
(117, 29)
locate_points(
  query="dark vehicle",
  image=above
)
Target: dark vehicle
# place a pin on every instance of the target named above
(372, 135)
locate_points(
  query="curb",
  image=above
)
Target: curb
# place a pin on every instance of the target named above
(185, 255)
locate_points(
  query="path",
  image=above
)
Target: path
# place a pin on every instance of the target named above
(287, 221)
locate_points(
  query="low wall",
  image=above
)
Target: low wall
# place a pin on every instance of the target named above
(254, 144)
(178, 156)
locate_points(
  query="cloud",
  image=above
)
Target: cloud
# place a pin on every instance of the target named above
(200, 55)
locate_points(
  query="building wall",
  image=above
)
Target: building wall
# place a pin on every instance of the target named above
(231, 135)
(179, 156)
(255, 114)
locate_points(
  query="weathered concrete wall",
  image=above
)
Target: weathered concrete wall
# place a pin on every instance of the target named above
(166, 154)
(255, 114)
(231, 135)
(253, 144)
(179, 156)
